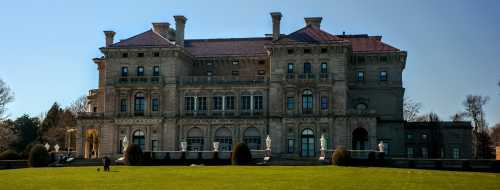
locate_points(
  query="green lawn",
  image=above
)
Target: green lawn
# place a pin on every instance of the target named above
(234, 177)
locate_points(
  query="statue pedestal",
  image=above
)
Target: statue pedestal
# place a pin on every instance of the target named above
(267, 155)
(322, 155)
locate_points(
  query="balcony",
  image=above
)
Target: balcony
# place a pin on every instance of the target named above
(139, 80)
(259, 79)
(89, 115)
(309, 77)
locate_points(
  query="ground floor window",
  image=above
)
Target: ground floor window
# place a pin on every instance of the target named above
(409, 152)
(291, 144)
(456, 153)
(194, 143)
(139, 139)
(425, 153)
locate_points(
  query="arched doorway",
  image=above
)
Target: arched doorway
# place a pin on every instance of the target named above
(359, 139)
(307, 137)
(224, 137)
(195, 139)
(139, 138)
(251, 137)
(91, 144)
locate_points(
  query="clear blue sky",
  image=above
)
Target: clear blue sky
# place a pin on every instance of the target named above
(453, 46)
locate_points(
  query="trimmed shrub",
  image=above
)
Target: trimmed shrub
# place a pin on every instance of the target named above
(38, 157)
(241, 155)
(9, 155)
(133, 155)
(341, 157)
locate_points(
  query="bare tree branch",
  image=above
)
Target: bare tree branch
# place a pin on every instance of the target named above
(411, 109)
(79, 105)
(6, 96)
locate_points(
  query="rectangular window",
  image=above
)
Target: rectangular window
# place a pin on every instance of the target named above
(258, 104)
(360, 76)
(139, 105)
(307, 67)
(324, 102)
(425, 153)
(291, 144)
(245, 103)
(409, 152)
(156, 70)
(189, 103)
(217, 101)
(307, 51)
(290, 51)
(383, 59)
(155, 105)
(387, 148)
(140, 54)
(307, 103)
(140, 71)
(202, 104)
(155, 145)
(324, 50)
(124, 71)
(124, 55)
(383, 76)
(361, 59)
(156, 54)
(290, 68)
(123, 105)
(324, 68)
(456, 153)
(229, 102)
(290, 102)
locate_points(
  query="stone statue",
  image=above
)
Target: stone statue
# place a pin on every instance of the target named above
(381, 146)
(125, 144)
(47, 146)
(268, 142)
(183, 146)
(216, 146)
(56, 148)
(322, 142)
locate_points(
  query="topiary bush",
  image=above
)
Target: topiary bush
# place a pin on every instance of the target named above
(341, 157)
(38, 157)
(241, 155)
(9, 155)
(133, 155)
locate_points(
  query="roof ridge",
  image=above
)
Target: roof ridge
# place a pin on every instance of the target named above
(229, 39)
(162, 37)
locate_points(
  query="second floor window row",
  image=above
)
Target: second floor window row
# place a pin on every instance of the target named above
(140, 71)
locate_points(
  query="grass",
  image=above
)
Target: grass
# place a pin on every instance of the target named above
(234, 177)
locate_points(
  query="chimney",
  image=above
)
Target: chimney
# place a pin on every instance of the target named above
(109, 37)
(313, 21)
(276, 16)
(180, 24)
(161, 28)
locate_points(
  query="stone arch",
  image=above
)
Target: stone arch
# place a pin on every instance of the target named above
(195, 139)
(360, 139)
(252, 138)
(225, 139)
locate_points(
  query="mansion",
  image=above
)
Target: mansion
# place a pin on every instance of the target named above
(159, 89)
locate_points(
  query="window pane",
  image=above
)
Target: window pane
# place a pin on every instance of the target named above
(156, 71)
(245, 102)
(307, 68)
(290, 68)
(124, 71)
(360, 76)
(324, 68)
(258, 104)
(290, 103)
(324, 102)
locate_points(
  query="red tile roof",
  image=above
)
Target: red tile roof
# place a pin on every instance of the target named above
(256, 46)
(365, 43)
(227, 47)
(145, 39)
(309, 34)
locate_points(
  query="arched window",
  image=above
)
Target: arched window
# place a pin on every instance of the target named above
(307, 101)
(224, 137)
(195, 139)
(138, 138)
(359, 139)
(307, 137)
(139, 104)
(251, 137)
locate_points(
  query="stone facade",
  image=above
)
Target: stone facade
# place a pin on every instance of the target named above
(159, 89)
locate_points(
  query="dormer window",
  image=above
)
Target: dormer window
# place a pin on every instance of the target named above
(324, 50)
(307, 51)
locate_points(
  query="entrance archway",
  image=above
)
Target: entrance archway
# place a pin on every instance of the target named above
(359, 139)
(307, 139)
(139, 138)
(91, 144)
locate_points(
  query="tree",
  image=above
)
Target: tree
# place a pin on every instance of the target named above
(8, 135)
(6, 96)
(474, 110)
(411, 109)
(430, 117)
(495, 134)
(51, 129)
(79, 105)
(26, 128)
(459, 116)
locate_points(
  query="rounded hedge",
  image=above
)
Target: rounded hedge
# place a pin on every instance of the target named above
(341, 156)
(38, 157)
(133, 155)
(241, 155)
(9, 155)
